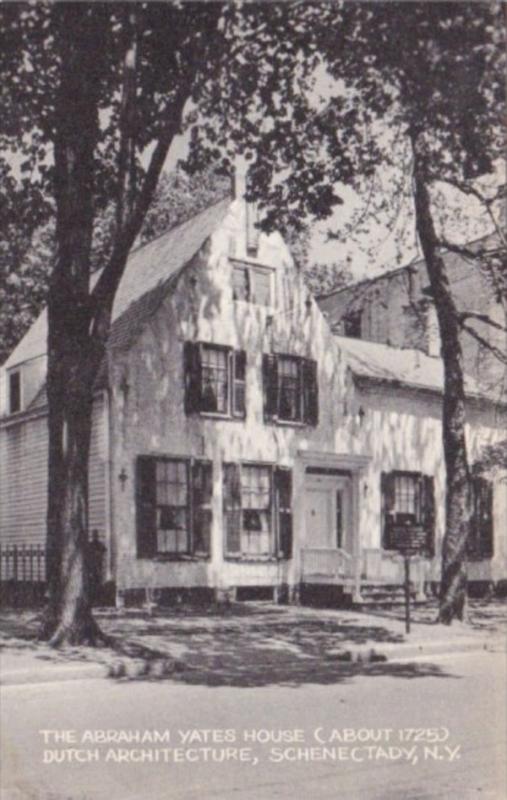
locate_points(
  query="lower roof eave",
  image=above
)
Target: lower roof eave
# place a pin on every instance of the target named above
(394, 383)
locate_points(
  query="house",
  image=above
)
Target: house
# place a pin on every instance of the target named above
(396, 308)
(241, 447)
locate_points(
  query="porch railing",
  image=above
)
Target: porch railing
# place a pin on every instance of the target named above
(22, 574)
(23, 563)
(326, 563)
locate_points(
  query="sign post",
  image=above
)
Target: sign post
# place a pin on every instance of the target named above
(409, 540)
(407, 592)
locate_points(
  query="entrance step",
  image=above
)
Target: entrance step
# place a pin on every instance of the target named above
(377, 595)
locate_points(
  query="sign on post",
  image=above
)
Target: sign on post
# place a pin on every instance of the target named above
(409, 540)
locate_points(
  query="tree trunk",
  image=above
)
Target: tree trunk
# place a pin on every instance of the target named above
(454, 577)
(68, 616)
(73, 356)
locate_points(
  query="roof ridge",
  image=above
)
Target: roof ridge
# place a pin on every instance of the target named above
(177, 225)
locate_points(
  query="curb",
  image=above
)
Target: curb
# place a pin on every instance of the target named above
(409, 651)
(367, 655)
(52, 674)
(360, 655)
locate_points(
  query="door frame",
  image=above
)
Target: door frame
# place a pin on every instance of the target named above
(331, 484)
(355, 466)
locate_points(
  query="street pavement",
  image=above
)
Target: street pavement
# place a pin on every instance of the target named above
(406, 730)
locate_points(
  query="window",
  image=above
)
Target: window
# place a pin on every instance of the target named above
(290, 389)
(252, 283)
(352, 324)
(257, 511)
(14, 392)
(408, 501)
(173, 498)
(480, 540)
(215, 380)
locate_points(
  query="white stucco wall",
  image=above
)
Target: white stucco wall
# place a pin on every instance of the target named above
(399, 430)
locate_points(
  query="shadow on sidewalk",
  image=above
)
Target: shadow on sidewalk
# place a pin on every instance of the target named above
(264, 647)
(280, 654)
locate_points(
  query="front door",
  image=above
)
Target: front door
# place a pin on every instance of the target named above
(319, 528)
(328, 512)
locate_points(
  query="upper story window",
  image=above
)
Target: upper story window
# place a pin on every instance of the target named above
(290, 389)
(408, 499)
(14, 391)
(480, 540)
(174, 513)
(352, 324)
(215, 380)
(252, 283)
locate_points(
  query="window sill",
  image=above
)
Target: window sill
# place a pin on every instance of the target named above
(180, 557)
(393, 552)
(218, 416)
(475, 557)
(287, 423)
(256, 559)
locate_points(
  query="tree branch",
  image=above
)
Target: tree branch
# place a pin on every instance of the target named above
(463, 316)
(487, 202)
(127, 122)
(106, 286)
(499, 354)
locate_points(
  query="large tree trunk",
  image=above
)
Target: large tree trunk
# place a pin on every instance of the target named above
(68, 615)
(73, 357)
(454, 577)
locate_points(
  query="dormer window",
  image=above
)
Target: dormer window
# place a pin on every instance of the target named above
(15, 391)
(252, 283)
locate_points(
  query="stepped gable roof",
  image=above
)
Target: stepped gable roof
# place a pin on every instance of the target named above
(149, 272)
(381, 363)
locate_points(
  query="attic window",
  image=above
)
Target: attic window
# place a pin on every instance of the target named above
(352, 324)
(15, 392)
(252, 284)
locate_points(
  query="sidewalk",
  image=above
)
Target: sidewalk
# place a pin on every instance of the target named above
(247, 644)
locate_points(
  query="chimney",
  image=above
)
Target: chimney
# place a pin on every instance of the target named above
(239, 173)
(240, 177)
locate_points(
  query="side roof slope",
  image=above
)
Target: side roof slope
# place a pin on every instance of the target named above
(144, 282)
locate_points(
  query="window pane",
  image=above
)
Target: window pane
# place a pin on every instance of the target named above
(406, 496)
(172, 506)
(289, 389)
(240, 283)
(261, 286)
(214, 380)
(256, 515)
(256, 487)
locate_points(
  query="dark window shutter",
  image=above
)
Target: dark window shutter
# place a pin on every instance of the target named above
(480, 544)
(428, 512)
(146, 506)
(387, 502)
(283, 500)
(239, 384)
(486, 524)
(192, 376)
(14, 392)
(202, 514)
(270, 385)
(232, 508)
(310, 392)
